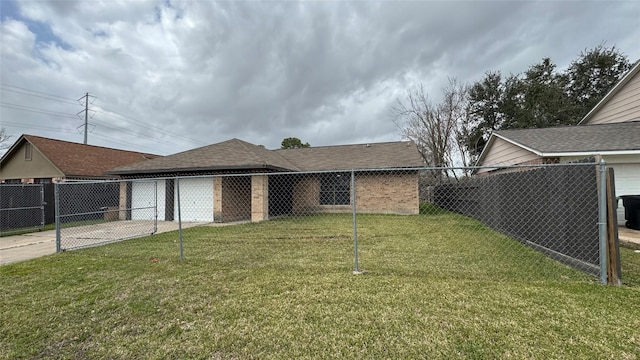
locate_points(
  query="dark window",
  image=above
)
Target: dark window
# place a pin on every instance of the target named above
(335, 189)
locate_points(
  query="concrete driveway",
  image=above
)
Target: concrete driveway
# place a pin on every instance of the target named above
(30, 246)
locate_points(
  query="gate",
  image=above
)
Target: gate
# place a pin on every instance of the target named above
(100, 212)
(21, 208)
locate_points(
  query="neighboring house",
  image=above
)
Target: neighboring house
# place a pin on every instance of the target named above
(35, 159)
(287, 182)
(610, 131)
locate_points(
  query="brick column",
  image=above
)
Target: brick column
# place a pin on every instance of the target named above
(122, 206)
(259, 198)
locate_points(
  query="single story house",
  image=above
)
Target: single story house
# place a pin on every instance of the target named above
(35, 159)
(286, 181)
(610, 131)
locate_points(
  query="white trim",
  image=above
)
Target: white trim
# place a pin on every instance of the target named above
(537, 152)
(622, 82)
(591, 153)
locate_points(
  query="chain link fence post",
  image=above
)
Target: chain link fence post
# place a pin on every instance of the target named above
(57, 214)
(42, 206)
(355, 227)
(179, 218)
(602, 220)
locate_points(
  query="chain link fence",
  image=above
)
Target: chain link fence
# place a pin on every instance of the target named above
(525, 222)
(21, 208)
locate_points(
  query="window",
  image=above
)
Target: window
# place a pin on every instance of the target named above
(335, 189)
(27, 151)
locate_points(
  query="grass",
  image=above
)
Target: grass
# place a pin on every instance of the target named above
(437, 286)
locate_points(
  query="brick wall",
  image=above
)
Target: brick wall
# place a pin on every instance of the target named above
(387, 193)
(382, 193)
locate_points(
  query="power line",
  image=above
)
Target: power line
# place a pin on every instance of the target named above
(36, 110)
(136, 134)
(10, 124)
(40, 94)
(146, 125)
(127, 144)
(107, 112)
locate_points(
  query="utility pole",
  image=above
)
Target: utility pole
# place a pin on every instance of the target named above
(86, 115)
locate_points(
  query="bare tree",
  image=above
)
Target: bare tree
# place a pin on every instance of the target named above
(438, 130)
(4, 139)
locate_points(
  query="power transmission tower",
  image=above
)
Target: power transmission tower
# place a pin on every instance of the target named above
(86, 114)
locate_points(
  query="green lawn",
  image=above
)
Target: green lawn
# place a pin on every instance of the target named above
(434, 286)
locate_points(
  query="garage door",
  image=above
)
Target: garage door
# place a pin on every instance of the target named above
(627, 183)
(196, 200)
(147, 197)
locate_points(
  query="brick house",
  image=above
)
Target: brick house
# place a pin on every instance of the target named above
(236, 180)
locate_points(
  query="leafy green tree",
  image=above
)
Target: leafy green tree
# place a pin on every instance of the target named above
(592, 75)
(541, 96)
(542, 100)
(485, 110)
(293, 143)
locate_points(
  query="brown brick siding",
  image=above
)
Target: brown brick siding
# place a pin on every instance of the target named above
(232, 198)
(376, 193)
(392, 193)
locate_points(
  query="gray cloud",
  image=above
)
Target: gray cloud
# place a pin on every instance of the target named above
(326, 72)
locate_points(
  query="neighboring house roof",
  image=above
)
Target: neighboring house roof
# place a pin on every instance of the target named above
(236, 154)
(79, 160)
(616, 138)
(612, 93)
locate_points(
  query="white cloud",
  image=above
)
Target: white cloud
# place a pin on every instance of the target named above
(326, 72)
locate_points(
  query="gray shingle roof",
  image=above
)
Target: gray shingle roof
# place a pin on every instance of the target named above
(586, 138)
(399, 154)
(236, 154)
(232, 154)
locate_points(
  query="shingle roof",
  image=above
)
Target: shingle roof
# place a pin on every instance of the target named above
(75, 159)
(399, 154)
(585, 138)
(231, 154)
(236, 154)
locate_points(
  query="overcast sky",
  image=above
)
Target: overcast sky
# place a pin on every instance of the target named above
(168, 76)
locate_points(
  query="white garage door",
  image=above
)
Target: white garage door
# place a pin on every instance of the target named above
(627, 183)
(196, 200)
(146, 198)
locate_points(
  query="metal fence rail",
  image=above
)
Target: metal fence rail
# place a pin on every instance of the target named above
(532, 216)
(21, 208)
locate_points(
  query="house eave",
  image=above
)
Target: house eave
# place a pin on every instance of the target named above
(590, 153)
(197, 169)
